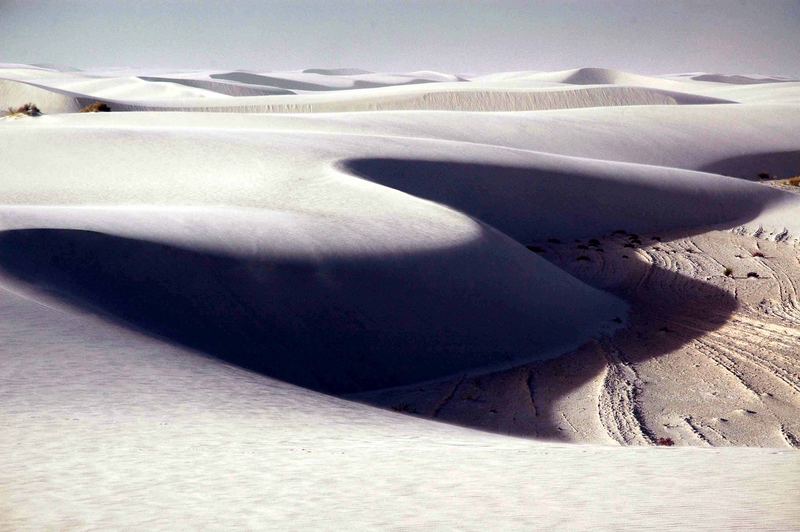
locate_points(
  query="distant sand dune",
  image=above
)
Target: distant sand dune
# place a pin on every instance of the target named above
(405, 93)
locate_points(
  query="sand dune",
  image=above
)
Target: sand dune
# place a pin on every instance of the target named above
(585, 256)
(739, 80)
(318, 92)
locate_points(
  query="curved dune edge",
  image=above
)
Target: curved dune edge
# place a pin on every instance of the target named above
(427, 232)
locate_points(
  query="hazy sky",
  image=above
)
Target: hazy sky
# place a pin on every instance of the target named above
(647, 36)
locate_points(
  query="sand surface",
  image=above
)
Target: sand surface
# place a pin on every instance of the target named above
(336, 299)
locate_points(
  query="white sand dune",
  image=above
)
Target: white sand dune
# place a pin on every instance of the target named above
(179, 292)
(318, 92)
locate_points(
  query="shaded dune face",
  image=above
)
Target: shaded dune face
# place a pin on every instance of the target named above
(342, 326)
(522, 201)
(777, 164)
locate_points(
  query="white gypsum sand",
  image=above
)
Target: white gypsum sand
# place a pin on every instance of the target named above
(181, 290)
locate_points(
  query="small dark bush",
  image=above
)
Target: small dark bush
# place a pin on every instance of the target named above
(752, 275)
(96, 107)
(667, 442)
(28, 109)
(405, 408)
(763, 175)
(758, 254)
(728, 272)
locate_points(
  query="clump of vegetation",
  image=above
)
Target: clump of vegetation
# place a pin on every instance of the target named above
(405, 408)
(667, 442)
(96, 107)
(28, 109)
(753, 275)
(728, 272)
(758, 254)
(763, 175)
(794, 181)
(594, 242)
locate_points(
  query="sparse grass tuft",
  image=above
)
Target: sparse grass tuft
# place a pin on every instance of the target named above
(758, 254)
(96, 107)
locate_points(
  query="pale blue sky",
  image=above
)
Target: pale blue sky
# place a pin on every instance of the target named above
(647, 36)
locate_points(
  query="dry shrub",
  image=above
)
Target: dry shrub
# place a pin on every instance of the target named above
(28, 109)
(794, 181)
(96, 107)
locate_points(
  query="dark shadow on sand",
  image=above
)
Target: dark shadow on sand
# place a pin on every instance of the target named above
(781, 164)
(346, 325)
(226, 307)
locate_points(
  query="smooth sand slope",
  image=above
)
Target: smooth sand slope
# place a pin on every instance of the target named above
(584, 256)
